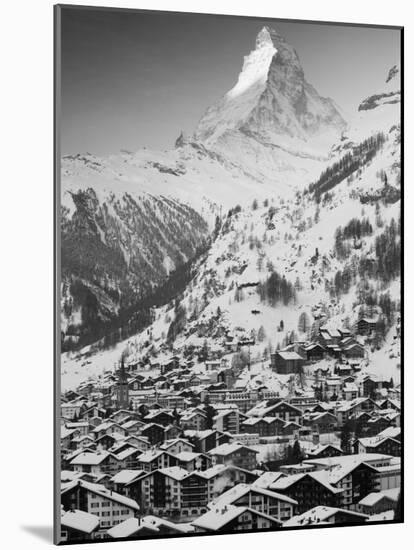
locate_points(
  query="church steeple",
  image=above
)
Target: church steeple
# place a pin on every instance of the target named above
(122, 388)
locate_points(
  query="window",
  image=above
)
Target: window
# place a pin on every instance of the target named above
(94, 504)
(106, 514)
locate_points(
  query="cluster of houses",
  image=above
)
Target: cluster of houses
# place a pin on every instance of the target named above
(337, 343)
(174, 451)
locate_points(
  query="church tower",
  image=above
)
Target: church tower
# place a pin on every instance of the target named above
(122, 389)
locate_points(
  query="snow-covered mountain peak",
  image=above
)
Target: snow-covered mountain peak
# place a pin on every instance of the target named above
(255, 67)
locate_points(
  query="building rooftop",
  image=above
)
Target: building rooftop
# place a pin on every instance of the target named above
(80, 521)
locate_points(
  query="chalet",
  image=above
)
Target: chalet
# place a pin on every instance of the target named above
(308, 489)
(122, 416)
(333, 350)
(95, 463)
(93, 412)
(173, 431)
(326, 515)
(376, 424)
(234, 454)
(139, 442)
(110, 428)
(161, 417)
(321, 422)
(286, 362)
(234, 518)
(257, 498)
(154, 432)
(176, 446)
(106, 441)
(366, 325)
(369, 386)
(285, 411)
(122, 481)
(379, 501)
(78, 526)
(314, 352)
(67, 437)
(193, 420)
(345, 333)
(156, 459)
(206, 440)
(353, 351)
(129, 458)
(95, 421)
(265, 426)
(390, 404)
(147, 526)
(324, 451)
(329, 337)
(83, 441)
(378, 444)
(354, 475)
(108, 506)
(191, 461)
(348, 409)
(161, 491)
(72, 410)
(344, 370)
(132, 426)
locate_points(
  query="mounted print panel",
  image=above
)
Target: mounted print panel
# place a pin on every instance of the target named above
(228, 274)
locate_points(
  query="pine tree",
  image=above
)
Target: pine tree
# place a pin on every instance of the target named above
(261, 335)
(210, 413)
(303, 323)
(297, 454)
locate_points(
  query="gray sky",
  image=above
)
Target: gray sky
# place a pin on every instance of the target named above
(137, 79)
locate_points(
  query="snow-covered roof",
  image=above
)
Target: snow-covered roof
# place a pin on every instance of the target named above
(217, 518)
(151, 455)
(372, 498)
(175, 472)
(126, 476)
(320, 515)
(187, 456)
(230, 448)
(242, 489)
(89, 459)
(266, 479)
(289, 355)
(130, 527)
(321, 477)
(102, 491)
(80, 521)
(170, 442)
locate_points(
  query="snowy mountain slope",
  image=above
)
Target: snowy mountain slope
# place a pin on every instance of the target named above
(115, 252)
(281, 236)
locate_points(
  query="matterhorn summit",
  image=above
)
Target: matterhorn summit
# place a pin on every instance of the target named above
(273, 120)
(273, 103)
